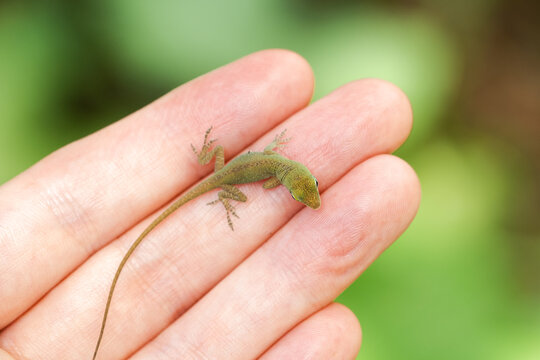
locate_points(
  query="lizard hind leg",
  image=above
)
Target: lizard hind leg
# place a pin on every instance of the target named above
(279, 142)
(206, 154)
(229, 192)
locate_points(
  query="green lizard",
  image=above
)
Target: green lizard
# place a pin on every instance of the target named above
(246, 168)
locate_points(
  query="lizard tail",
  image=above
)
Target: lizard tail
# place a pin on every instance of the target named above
(200, 189)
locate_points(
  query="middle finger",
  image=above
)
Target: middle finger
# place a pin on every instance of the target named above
(169, 272)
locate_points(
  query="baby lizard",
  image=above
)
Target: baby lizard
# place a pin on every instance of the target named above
(246, 168)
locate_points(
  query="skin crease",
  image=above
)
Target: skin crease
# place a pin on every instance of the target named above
(246, 168)
(194, 289)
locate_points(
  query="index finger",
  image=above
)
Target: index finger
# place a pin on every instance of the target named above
(60, 211)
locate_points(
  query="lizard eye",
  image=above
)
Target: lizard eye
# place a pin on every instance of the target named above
(293, 196)
(316, 183)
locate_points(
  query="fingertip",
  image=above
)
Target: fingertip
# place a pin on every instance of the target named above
(291, 67)
(333, 332)
(388, 105)
(407, 178)
(403, 182)
(349, 326)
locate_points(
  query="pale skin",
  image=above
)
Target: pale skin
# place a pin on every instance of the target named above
(251, 167)
(195, 289)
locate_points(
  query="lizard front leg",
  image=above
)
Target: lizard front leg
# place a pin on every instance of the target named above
(206, 155)
(278, 143)
(229, 192)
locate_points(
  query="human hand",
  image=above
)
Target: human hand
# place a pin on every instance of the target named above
(194, 289)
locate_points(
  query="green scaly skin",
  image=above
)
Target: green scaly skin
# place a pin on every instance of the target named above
(246, 168)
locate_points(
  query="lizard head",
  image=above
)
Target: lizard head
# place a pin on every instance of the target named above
(303, 186)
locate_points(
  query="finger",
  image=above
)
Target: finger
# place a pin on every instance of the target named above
(194, 249)
(331, 333)
(60, 211)
(301, 268)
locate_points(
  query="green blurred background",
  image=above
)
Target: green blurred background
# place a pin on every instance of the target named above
(464, 281)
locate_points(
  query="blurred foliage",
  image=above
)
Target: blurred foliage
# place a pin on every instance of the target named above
(463, 281)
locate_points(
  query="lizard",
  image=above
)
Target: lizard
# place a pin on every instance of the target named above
(245, 168)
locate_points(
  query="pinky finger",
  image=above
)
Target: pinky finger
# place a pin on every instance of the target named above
(331, 333)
